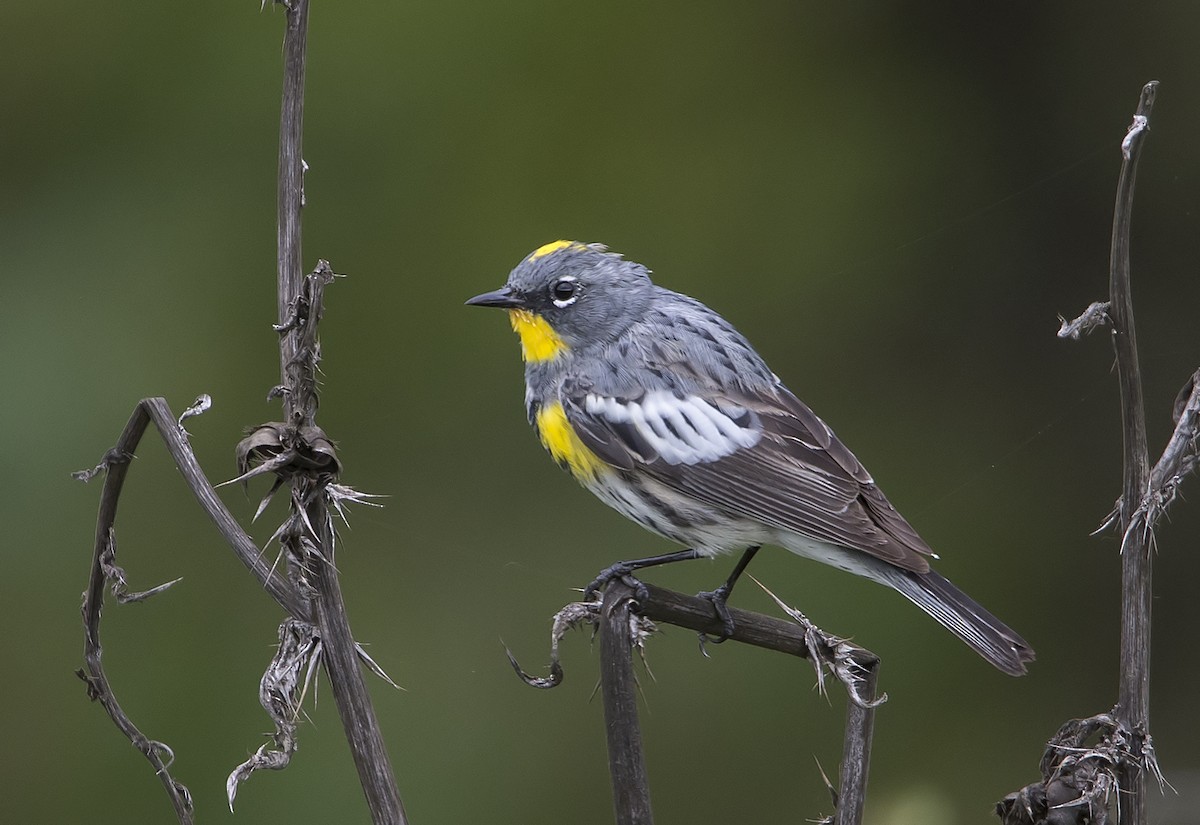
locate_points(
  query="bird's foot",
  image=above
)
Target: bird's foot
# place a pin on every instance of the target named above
(719, 597)
(621, 570)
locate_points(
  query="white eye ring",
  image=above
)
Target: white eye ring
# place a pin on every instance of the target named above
(568, 286)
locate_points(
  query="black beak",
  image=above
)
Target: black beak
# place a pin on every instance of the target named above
(503, 298)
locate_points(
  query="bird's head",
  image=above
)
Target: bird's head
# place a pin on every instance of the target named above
(567, 295)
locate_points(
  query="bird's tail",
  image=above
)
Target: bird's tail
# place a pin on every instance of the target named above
(965, 618)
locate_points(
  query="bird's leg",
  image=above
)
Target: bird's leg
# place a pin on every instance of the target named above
(623, 568)
(720, 596)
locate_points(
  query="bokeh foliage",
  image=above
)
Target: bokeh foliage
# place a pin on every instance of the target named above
(894, 200)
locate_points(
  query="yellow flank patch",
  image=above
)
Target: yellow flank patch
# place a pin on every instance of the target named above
(564, 445)
(553, 246)
(539, 341)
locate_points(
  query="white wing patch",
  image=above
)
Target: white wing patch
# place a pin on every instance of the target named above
(686, 430)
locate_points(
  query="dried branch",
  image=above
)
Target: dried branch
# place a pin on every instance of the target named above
(281, 693)
(299, 455)
(1078, 785)
(115, 466)
(851, 798)
(1179, 457)
(308, 538)
(1133, 704)
(619, 633)
(1096, 315)
(160, 756)
(628, 614)
(1079, 782)
(116, 463)
(1081, 775)
(575, 614)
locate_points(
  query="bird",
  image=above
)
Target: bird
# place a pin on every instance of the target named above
(661, 408)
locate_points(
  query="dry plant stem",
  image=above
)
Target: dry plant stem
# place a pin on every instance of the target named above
(856, 752)
(1179, 457)
(298, 359)
(348, 685)
(117, 463)
(626, 758)
(1133, 706)
(99, 689)
(695, 613)
(291, 168)
(116, 466)
(1080, 783)
(669, 607)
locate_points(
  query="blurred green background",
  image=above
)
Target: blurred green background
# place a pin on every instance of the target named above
(893, 200)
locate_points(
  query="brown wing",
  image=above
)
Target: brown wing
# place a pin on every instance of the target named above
(769, 459)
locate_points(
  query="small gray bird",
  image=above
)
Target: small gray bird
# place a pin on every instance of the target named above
(661, 408)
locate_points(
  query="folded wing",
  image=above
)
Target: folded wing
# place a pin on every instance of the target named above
(764, 457)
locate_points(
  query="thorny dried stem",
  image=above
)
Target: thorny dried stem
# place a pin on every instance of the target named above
(829, 653)
(1081, 775)
(160, 756)
(308, 543)
(1080, 784)
(1133, 703)
(620, 634)
(649, 606)
(281, 693)
(299, 455)
(106, 571)
(572, 616)
(1095, 316)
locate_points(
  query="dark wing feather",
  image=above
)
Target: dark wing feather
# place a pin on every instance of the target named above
(613, 445)
(796, 475)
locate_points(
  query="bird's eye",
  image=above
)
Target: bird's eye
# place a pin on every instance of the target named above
(564, 291)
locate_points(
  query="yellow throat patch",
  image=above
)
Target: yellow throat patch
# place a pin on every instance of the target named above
(539, 341)
(564, 445)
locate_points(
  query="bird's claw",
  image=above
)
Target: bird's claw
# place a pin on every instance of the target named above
(718, 597)
(621, 570)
